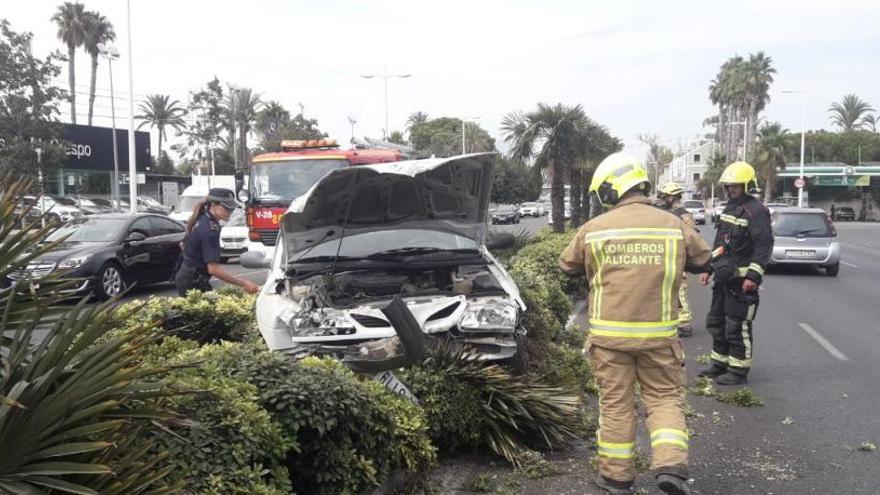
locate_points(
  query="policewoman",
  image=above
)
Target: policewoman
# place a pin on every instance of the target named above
(201, 248)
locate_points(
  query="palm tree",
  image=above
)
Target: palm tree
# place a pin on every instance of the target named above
(769, 154)
(416, 118)
(98, 30)
(851, 113)
(71, 20)
(269, 120)
(871, 121)
(551, 137)
(160, 111)
(758, 75)
(242, 108)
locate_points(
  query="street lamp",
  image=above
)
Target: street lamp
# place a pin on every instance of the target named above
(110, 53)
(132, 166)
(386, 76)
(352, 121)
(803, 133)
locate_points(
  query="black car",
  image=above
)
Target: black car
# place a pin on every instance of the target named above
(110, 252)
(505, 214)
(844, 213)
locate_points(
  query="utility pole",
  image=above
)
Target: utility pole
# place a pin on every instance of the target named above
(132, 156)
(111, 53)
(803, 139)
(352, 122)
(386, 76)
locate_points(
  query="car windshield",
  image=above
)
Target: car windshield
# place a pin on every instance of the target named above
(506, 209)
(151, 201)
(790, 224)
(66, 201)
(237, 219)
(285, 181)
(369, 243)
(90, 230)
(530, 205)
(846, 209)
(694, 204)
(185, 204)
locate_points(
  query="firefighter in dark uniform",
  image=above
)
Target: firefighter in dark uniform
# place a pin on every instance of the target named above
(201, 249)
(742, 248)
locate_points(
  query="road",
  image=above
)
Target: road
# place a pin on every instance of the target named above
(816, 349)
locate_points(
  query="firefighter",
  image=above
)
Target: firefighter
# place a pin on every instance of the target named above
(669, 199)
(633, 257)
(742, 247)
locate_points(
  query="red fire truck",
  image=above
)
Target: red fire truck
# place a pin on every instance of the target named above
(276, 179)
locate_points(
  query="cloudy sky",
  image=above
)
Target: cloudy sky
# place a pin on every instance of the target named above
(636, 66)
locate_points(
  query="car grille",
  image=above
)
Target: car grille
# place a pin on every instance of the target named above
(33, 270)
(232, 239)
(370, 321)
(269, 237)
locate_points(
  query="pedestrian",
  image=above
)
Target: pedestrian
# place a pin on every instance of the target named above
(669, 199)
(201, 246)
(833, 211)
(633, 257)
(742, 247)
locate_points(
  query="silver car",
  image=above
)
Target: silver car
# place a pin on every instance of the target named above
(697, 209)
(805, 236)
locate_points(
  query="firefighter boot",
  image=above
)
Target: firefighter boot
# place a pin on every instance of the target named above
(614, 487)
(732, 378)
(714, 371)
(673, 485)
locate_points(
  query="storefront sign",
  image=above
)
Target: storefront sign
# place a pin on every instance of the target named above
(841, 180)
(91, 148)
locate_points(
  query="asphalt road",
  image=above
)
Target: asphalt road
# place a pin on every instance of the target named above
(816, 354)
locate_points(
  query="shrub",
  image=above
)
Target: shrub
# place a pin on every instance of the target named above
(568, 368)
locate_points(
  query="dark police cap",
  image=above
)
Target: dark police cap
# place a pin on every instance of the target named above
(222, 196)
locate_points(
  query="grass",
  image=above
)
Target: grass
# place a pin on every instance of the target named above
(532, 465)
(703, 387)
(703, 359)
(867, 447)
(742, 397)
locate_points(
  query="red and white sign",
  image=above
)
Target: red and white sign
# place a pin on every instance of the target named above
(799, 183)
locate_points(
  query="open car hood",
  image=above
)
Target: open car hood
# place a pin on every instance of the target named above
(444, 194)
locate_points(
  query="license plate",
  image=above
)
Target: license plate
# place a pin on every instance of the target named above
(233, 245)
(389, 381)
(800, 254)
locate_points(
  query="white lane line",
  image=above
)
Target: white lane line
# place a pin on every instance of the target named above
(844, 263)
(824, 343)
(575, 312)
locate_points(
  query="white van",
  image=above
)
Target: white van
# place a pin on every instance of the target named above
(186, 201)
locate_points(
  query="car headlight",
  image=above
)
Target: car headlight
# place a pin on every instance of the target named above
(493, 316)
(74, 262)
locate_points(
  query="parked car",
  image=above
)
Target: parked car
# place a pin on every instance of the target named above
(505, 214)
(110, 252)
(531, 209)
(717, 210)
(697, 209)
(844, 213)
(409, 267)
(566, 211)
(805, 236)
(147, 204)
(86, 205)
(234, 236)
(55, 211)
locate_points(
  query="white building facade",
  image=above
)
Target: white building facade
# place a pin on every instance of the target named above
(688, 168)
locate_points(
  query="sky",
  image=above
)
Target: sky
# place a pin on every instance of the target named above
(636, 66)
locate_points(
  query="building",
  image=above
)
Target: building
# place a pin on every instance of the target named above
(687, 169)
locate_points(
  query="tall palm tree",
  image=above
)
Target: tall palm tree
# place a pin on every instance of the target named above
(416, 118)
(242, 108)
(851, 113)
(769, 154)
(758, 75)
(71, 20)
(871, 121)
(741, 92)
(98, 30)
(551, 137)
(160, 111)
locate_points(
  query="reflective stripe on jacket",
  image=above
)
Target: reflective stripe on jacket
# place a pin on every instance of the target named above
(634, 256)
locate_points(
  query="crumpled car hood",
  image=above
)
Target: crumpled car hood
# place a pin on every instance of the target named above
(444, 194)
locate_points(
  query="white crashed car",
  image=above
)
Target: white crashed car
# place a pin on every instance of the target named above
(377, 261)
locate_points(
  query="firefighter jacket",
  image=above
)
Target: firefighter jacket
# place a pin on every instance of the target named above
(743, 240)
(633, 257)
(685, 215)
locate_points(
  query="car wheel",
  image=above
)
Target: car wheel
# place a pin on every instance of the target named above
(110, 281)
(832, 270)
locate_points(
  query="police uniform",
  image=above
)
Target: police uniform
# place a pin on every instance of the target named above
(202, 246)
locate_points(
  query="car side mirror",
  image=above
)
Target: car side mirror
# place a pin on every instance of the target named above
(500, 241)
(135, 237)
(254, 260)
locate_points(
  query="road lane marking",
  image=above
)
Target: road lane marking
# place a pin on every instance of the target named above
(824, 343)
(844, 263)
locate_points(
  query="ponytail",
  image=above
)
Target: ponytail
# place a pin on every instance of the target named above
(198, 210)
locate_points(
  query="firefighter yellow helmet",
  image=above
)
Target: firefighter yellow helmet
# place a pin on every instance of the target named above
(617, 174)
(670, 189)
(739, 174)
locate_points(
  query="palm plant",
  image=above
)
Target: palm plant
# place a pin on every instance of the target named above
(851, 113)
(416, 118)
(769, 154)
(241, 111)
(758, 74)
(99, 30)
(160, 111)
(270, 120)
(72, 30)
(70, 398)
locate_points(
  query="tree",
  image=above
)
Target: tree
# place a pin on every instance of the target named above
(72, 30)
(160, 111)
(241, 108)
(416, 118)
(164, 165)
(28, 107)
(203, 133)
(99, 30)
(769, 155)
(851, 113)
(513, 183)
(658, 157)
(270, 120)
(396, 137)
(442, 137)
(298, 127)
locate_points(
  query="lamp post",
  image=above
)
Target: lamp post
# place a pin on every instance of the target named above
(464, 122)
(110, 53)
(352, 121)
(386, 76)
(132, 166)
(803, 134)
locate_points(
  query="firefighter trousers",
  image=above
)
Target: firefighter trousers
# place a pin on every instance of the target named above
(660, 375)
(684, 309)
(730, 323)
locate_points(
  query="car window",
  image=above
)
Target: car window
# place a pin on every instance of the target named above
(790, 224)
(694, 204)
(165, 226)
(143, 226)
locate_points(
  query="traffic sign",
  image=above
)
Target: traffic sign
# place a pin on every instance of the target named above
(799, 183)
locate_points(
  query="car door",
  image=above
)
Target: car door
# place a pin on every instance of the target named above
(169, 234)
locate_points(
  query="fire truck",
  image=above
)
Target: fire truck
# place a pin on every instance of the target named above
(276, 179)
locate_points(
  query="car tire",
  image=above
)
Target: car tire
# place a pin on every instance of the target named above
(832, 270)
(110, 281)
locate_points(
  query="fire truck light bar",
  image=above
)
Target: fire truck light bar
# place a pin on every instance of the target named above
(301, 144)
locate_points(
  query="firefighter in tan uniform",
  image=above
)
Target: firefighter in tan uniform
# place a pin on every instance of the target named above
(669, 199)
(633, 257)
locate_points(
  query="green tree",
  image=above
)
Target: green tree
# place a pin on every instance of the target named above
(28, 107)
(99, 30)
(658, 157)
(513, 182)
(416, 118)
(204, 131)
(164, 165)
(442, 137)
(769, 156)
(298, 127)
(161, 112)
(241, 110)
(72, 30)
(270, 120)
(851, 113)
(396, 137)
